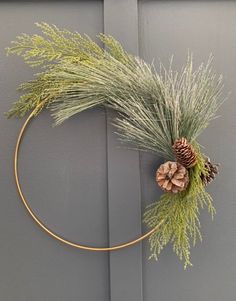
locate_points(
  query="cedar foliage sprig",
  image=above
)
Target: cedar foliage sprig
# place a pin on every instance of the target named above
(180, 212)
(51, 49)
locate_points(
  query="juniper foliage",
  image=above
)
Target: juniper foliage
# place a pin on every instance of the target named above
(181, 215)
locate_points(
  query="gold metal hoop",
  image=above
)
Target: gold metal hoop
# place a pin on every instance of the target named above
(42, 225)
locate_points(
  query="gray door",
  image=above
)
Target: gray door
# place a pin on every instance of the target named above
(87, 188)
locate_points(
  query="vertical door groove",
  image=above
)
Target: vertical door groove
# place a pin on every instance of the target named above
(124, 196)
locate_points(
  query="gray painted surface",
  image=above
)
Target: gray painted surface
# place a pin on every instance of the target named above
(87, 188)
(63, 174)
(172, 27)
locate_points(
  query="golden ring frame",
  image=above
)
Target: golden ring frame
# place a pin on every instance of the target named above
(42, 225)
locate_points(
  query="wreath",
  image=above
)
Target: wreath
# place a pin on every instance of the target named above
(162, 112)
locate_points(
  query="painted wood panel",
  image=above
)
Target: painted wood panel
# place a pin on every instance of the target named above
(63, 173)
(173, 27)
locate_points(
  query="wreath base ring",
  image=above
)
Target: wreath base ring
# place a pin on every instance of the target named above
(42, 225)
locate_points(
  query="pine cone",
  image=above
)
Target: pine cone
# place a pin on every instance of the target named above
(185, 153)
(211, 171)
(172, 177)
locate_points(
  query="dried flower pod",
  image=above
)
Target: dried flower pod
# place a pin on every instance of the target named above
(185, 153)
(211, 171)
(172, 177)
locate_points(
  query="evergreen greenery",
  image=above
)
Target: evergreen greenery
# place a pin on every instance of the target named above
(180, 213)
(154, 109)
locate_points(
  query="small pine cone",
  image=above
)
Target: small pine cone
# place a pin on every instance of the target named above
(211, 171)
(184, 152)
(172, 177)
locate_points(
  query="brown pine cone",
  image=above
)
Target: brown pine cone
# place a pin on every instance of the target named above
(211, 171)
(184, 152)
(172, 177)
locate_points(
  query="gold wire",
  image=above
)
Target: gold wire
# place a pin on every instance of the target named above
(43, 226)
